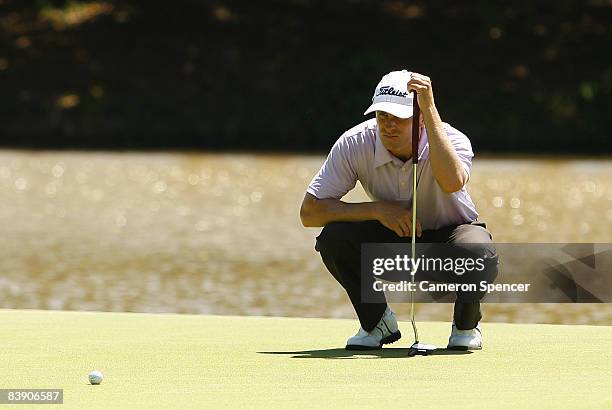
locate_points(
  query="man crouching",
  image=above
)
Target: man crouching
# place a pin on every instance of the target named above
(378, 153)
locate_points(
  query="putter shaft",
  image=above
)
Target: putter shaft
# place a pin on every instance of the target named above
(416, 116)
(414, 183)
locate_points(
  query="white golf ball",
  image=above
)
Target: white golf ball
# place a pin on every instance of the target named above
(96, 377)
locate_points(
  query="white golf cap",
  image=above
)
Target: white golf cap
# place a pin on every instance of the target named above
(392, 96)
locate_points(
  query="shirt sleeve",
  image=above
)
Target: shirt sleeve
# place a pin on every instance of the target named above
(463, 148)
(337, 176)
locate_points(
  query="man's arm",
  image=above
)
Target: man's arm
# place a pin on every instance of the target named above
(319, 212)
(445, 162)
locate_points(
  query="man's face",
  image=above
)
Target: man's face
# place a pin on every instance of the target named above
(395, 133)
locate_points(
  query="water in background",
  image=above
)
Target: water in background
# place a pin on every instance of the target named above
(220, 234)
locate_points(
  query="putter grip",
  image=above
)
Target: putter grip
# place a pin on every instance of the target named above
(416, 116)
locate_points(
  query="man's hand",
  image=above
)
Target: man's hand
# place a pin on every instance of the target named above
(396, 218)
(422, 85)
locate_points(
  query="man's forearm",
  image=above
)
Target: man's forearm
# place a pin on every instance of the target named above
(320, 212)
(445, 162)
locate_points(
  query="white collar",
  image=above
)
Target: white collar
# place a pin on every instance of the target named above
(383, 156)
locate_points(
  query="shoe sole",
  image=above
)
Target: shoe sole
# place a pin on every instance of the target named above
(392, 338)
(463, 348)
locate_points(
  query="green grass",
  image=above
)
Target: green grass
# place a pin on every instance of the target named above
(188, 361)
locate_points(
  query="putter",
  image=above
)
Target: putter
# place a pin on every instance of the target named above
(417, 348)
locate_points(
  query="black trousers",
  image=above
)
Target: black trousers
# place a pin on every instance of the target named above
(340, 247)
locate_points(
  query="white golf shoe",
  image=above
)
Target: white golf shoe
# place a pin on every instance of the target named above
(465, 339)
(386, 331)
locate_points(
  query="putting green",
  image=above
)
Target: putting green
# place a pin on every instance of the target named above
(190, 361)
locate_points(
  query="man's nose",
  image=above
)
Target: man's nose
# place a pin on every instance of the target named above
(390, 124)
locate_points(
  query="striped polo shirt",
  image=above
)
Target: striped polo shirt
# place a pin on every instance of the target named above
(359, 155)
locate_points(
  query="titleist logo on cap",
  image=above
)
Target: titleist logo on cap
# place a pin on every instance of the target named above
(392, 95)
(388, 90)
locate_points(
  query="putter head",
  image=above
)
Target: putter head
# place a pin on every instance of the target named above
(421, 349)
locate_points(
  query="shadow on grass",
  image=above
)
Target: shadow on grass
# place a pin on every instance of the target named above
(341, 353)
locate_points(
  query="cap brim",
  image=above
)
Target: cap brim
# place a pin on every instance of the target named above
(398, 110)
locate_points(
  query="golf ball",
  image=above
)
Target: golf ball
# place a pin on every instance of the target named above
(96, 377)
